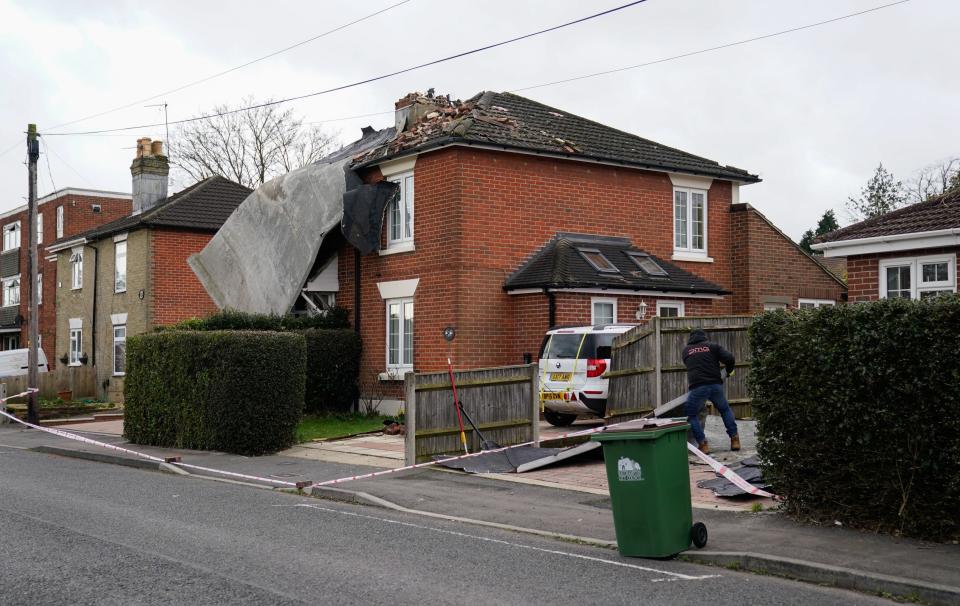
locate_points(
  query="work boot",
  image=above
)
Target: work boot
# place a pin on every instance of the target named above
(735, 442)
(704, 447)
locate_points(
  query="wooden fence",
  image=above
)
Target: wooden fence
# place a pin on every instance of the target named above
(647, 369)
(81, 381)
(502, 401)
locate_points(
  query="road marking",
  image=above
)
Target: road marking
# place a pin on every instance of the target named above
(675, 576)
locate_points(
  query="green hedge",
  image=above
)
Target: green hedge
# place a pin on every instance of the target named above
(237, 320)
(239, 392)
(333, 365)
(858, 410)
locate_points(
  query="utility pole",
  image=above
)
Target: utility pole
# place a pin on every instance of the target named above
(33, 154)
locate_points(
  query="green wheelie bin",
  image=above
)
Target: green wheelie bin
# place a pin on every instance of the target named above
(649, 480)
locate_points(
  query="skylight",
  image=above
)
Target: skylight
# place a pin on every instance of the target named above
(596, 259)
(647, 264)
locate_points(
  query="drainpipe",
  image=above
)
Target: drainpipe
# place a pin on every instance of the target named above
(356, 290)
(93, 323)
(551, 308)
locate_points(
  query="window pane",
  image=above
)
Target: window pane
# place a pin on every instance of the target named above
(120, 274)
(935, 272)
(669, 311)
(905, 278)
(680, 219)
(408, 207)
(408, 333)
(696, 200)
(393, 334)
(926, 294)
(598, 260)
(603, 313)
(394, 221)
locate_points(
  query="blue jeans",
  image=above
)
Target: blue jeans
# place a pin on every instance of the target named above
(697, 399)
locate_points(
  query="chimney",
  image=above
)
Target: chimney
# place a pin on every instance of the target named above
(149, 171)
(412, 108)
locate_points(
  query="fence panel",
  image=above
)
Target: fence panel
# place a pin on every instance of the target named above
(647, 366)
(81, 381)
(501, 401)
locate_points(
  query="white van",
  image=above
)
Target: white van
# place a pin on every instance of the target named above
(13, 362)
(572, 362)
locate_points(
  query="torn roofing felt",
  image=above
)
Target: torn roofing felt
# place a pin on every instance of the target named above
(262, 256)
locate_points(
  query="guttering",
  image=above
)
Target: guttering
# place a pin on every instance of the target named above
(891, 243)
(55, 248)
(675, 294)
(457, 142)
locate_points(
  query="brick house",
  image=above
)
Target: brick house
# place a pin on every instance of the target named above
(60, 214)
(910, 252)
(620, 228)
(130, 275)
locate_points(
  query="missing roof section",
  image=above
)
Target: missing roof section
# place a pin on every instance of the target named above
(596, 260)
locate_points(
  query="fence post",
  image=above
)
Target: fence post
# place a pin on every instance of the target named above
(3, 403)
(535, 403)
(658, 347)
(410, 418)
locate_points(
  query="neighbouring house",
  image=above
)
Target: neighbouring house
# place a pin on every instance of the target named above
(62, 213)
(909, 253)
(514, 216)
(130, 275)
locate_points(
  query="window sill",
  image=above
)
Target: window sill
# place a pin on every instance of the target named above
(394, 374)
(395, 249)
(693, 257)
(119, 374)
(76, 288)
(75, 364)
(120, 292)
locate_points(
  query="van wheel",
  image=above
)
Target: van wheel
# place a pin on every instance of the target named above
(558, 419)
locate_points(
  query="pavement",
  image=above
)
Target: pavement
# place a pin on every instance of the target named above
(573, 510)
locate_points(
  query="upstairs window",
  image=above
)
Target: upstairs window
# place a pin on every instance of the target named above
(400, 213)
(120, 266)
(690, 221)
(647, 264)
(59, 222)
(11, 236)
(596, 260)
(39, 289)
(11, 292)
(76, 268)
(39, 228)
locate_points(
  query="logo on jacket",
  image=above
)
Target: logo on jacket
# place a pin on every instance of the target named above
(629, 470)
(696, 350)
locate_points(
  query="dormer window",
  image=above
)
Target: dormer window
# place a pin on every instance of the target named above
(596, 259)
(646, 263)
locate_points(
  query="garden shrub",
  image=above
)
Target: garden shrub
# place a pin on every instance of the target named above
(229, 319)
(333, 365)
(858, 410)
(238, 392)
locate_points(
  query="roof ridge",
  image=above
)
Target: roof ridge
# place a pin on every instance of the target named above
(947, 197)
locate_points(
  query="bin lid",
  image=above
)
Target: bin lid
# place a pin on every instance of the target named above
(641, 429)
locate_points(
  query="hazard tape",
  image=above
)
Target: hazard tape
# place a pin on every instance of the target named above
(729, 474)
(715, 465)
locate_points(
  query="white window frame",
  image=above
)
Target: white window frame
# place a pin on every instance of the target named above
(119, 279)
(917, 287)
(7, 299)
(76, 268)
(59, 222)
(774, 306)
(39, 289)
(815, 303)
(39, 228)
(116, 340)
(405, 206)
(403, 364)
(11, 236)
(689, 250)
(76, 341)
(680, 306)
(593, 309)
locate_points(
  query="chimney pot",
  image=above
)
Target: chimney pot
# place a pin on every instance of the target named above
(156, 148)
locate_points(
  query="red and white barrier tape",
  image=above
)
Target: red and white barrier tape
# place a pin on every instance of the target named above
(729, 474)
(713, 463)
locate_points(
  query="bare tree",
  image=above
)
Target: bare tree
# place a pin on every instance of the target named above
(249, 147)
(935, 179)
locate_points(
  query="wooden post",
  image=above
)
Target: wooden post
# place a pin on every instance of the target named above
(410, 418)
(658, 347)
(535, 403)
(33, 377)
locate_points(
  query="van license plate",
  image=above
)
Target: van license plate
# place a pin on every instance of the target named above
(551, 396)
(560, 376)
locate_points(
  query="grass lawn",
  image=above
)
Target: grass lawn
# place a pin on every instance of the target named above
(313, 427)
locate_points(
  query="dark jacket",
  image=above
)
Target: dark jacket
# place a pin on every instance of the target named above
(703, 358)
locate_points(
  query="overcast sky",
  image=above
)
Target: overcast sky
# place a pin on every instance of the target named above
(811, 112)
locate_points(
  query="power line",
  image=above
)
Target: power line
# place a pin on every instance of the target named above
(46, 157)
(59, 157)
(369, 80)
(712, 48)
(233, 69)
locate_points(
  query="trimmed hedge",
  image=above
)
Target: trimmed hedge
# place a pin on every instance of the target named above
(229, 319)
(333, 365)
(239, 392)
(858, 410)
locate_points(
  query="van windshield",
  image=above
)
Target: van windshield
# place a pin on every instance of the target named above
(565, 346)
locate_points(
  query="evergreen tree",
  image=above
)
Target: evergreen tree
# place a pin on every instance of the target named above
(826, 224)
(881, 194)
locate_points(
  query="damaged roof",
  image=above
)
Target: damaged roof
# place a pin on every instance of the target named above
(571, 260)
(204, 206)
(935, 214)
(507, 120)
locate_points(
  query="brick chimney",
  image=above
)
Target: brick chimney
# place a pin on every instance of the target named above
(412, 108)
(149, 171)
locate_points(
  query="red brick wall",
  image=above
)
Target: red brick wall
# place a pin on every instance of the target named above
(767, 263)
(78, 217)
(863, 277)
(177, 293)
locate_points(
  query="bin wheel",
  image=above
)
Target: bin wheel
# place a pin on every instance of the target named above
(558, 419)
(698, 534)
